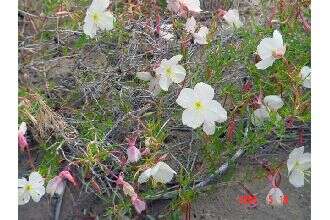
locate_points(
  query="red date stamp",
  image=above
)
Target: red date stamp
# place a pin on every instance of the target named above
(247, 200)
(284, 199)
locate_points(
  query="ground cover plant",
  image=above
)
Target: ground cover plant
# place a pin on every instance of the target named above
(138, 101)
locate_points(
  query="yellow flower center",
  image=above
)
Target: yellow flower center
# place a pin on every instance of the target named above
(28, 187)
(198, 105)
(168, 72)
(96, 17)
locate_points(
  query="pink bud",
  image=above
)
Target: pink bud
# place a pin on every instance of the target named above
(146, 151)
(133, 154)
(22, 141)
(221, 12)
(55, 185)
(138, 204)
(67, 175)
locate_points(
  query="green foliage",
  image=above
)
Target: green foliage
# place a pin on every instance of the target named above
(50, 163)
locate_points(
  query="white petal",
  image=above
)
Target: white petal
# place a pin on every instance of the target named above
(154, 86)
(186, 98)
(190, 25)
(273, 102)
(278, 40)
(145, 175)
(204, 91)
(265, 48)
(164, 82)
(296, 178)
(305, 161)
(192, 118)
(89, 27)
(290, 164)
(259, 116)
(192, 5)
(297, 153)
(214, 112)
(175, 59)
(22, 182)
(166, 35)
(232, 18)
(100, 5)
(162, 172)
(305, 74)
(107, 21)
(37, 192)
(22, 128)
(264, 64)
(145, 76)
(36, 179)
(209, 127)
(179, 73)
(23, 196)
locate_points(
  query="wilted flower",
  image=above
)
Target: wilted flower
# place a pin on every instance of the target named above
(180, 5)
(170, 71)
(271, 103)
(154, 81)
(161, 172)
(133, 154)
(232, 18)
(200, 108)
(98, 17)
(275, 197)
(305, 74)
(56, 185)
(138, 204)
(201, 35)
(190, 25)
(298, 163)
(34, 188)
(22, 142)
(270, 49)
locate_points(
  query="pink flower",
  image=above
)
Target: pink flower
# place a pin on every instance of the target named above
(127, 188)
(138, 204)
(133, 154)
(22, 141)
(56, 185)
(182, 6)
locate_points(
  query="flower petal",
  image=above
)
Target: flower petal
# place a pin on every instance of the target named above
(214, 112)
(201, 36)
(100, 5)
(259, 116)
(190, 25)
(175, 59)
(192, 118)
(162, 172)
(36, 179)
(107, 21)
(305, 74)
(232, 18)
(278, 40)
(192, 5)
(204, 91)
(145, 76)
(90, 28)
(22, 182)
(23, 196)
(179, 74)
(273, 102)
(164, 82)
(265, 63)
(145, 175)
(37, 192)
(209, 127)
(186, 98)
(55, 185)
(297, 153)
(22, 128)
(296, 178)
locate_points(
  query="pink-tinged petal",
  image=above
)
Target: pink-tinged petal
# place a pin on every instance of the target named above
(55, 185)
(190, 25)
(173, 5)
(133, 154)
(192, 5)
(67, 175)
(138, 204)
(22, 142)
(22, 128)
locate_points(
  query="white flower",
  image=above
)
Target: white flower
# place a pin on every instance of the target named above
(271, 103)
(97, 17)
(305, 74)
(201, 35)
(170, 71)
(192, 5)
(34, 188)
(232, 18)
(275, 197)
(154, 81)
(161, 172)
(200, 108)
(190, 25)
(270, 49)
(298, 163)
